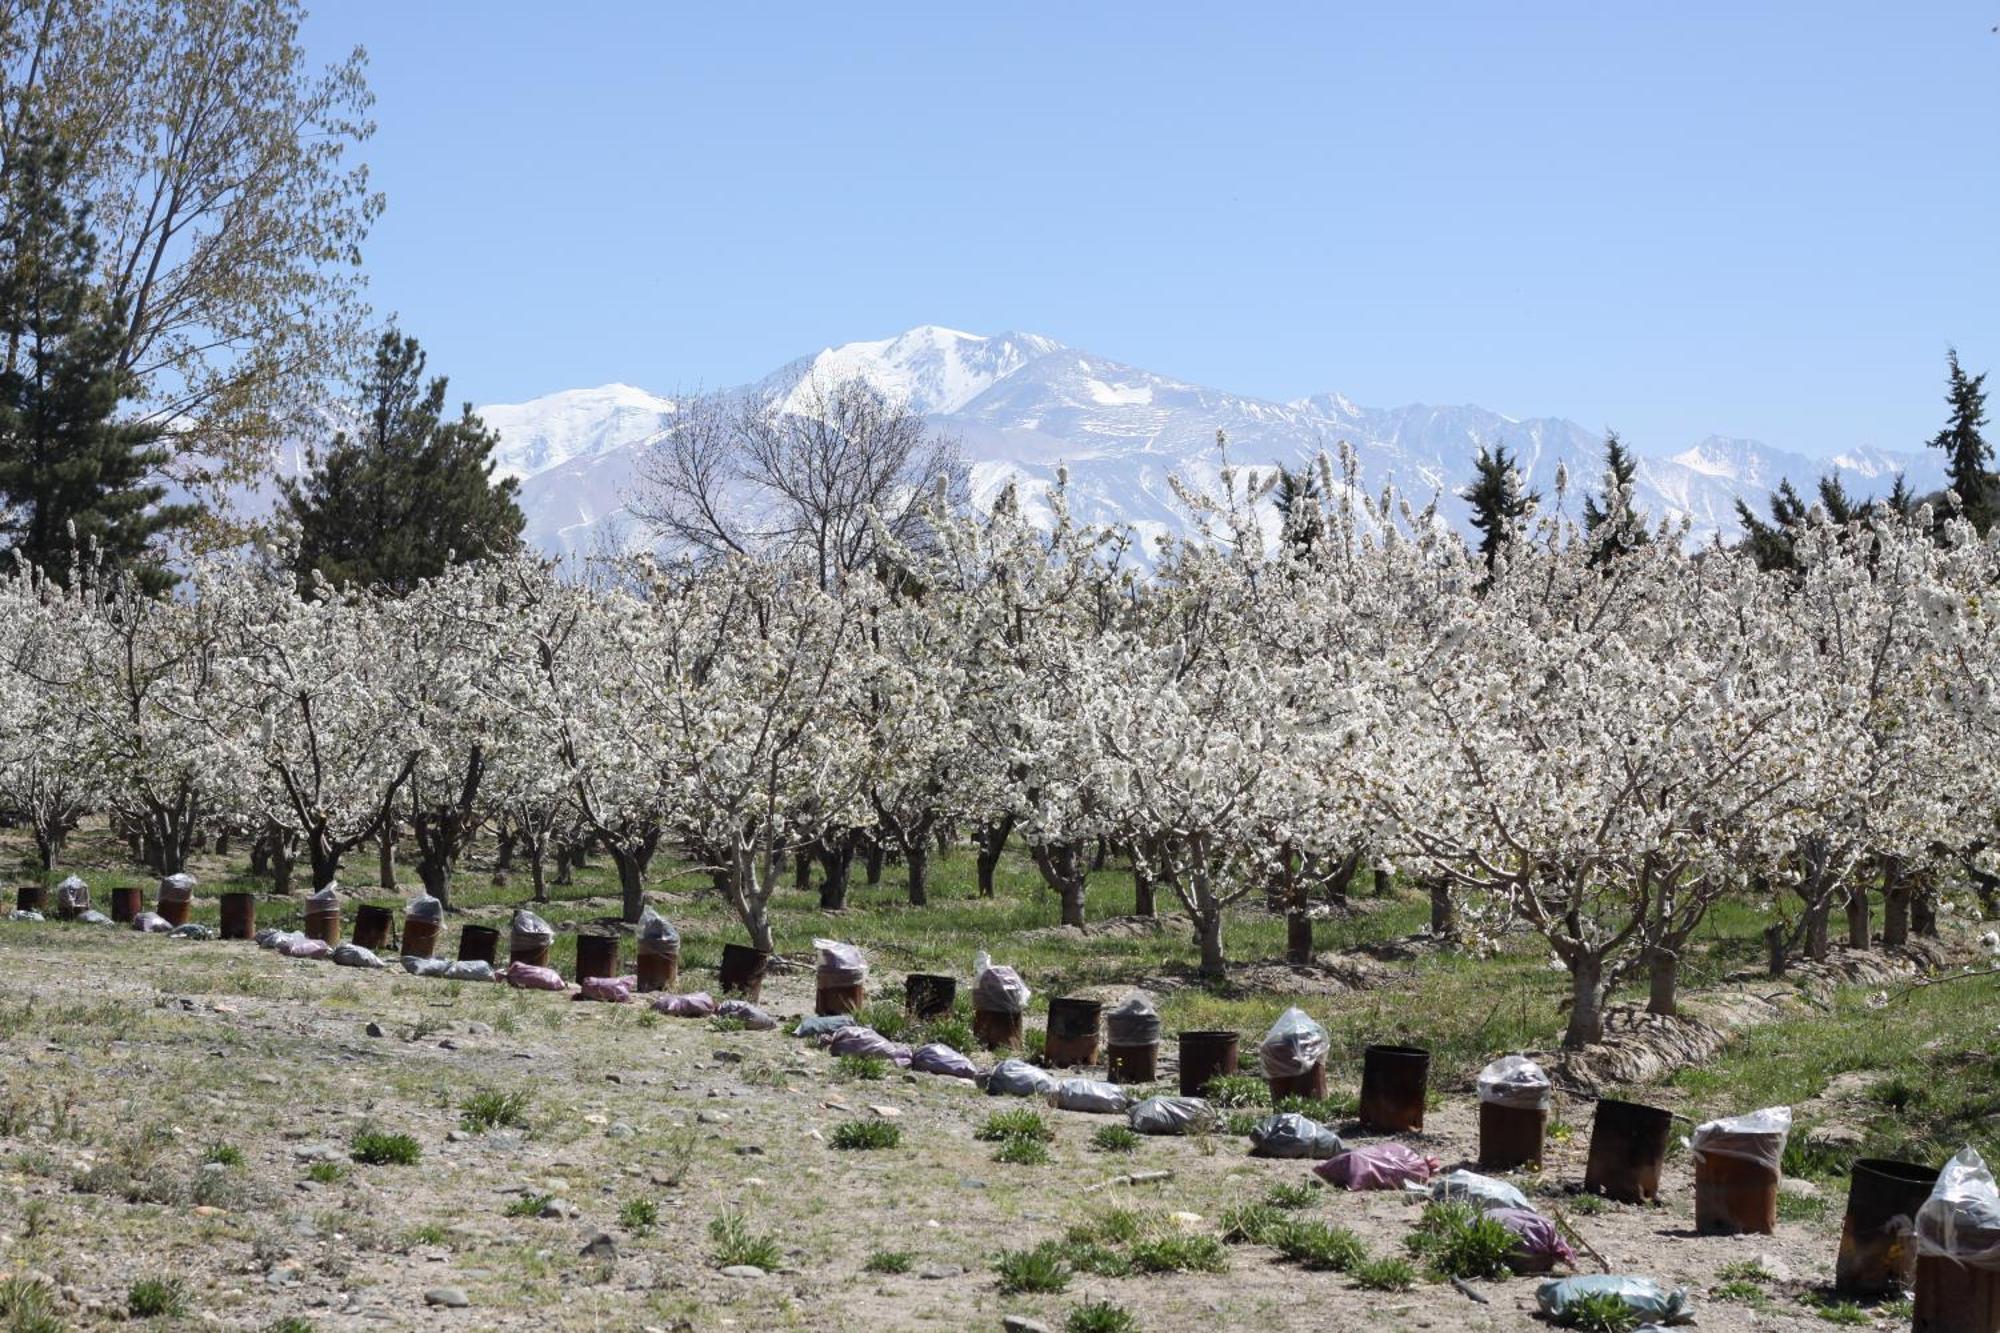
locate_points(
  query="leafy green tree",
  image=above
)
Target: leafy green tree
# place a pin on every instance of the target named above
(410, 493)
(1965, 448)
(1610, 520)
(75, 481)
(1498, 499)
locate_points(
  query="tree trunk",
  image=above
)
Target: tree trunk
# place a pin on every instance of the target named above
(1923, 910)
(385, 859)
(1384, 882)
(1444, 913)
(1859, 924)
(48, 844)
(1663, 968)
(1098, 857)
(565, 864)
(1298, 935)
(325, 862)
(436, 877)
(538, 873)
(503, 856)
(1586, 1001)
(836, 855)
(631, 883)
(222, 842)
(1818, 914)
(1208, 935)
(1777, 949)
(916, 856)
(1062, 867)
(1142, 892)
(1896, 888)
(260, 851)
(992, 842)
(802, 871)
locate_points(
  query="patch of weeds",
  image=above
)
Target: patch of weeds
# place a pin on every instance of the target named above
(1292, 1195)
(1391, 1274)
(528, 1205)
(156, 1298)
(1234, 1090)
(888, 1261)
(1238, 1124)
(222, 1154)
(325, 1173)
(1740, 1292)
(1325, 1110)
(1745, 1270)
(374, 1148)
(1800, 1207)
(1099, 1260)
(733, 1243)
(1019, 1123)
(1253, 1224)
(861, 1068)
(1318, 1246)
(1560, 1131)
(1114, 1138)
(430, 1233)
(638, 1214)
(1041, 1269)
(727, 1023)
(865, 1135)
(493, 1109)
(1838, 1312)
(1113, 1226)
(1023, 1152)
(1587, 1205)
(291, 1323)
(1101, 1317)
(1805, 1158)
(28, 1306)
(1179, 1253)
(1455, 1240)
(677, 1153)
(953, 1032)
(888, 1018)
(1599, 1312)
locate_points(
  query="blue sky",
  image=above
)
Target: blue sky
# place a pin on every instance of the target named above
(1752, 219)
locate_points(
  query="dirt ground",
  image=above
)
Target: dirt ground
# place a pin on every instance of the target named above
(128, 1060)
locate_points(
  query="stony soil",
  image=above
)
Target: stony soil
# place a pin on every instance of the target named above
(127, 1059)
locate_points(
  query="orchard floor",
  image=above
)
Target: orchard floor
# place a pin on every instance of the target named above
(185, 1110)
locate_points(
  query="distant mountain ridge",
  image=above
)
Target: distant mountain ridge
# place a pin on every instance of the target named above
(1023, 405)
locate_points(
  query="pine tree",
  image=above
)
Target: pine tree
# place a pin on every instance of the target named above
(1627, 527)
(411, 493)
(1966, 451)
(1297, 499)
(1498, 500)
(74, 480)
(1770, 544)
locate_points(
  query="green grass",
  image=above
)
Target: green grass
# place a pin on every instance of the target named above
(1236, 1090)
(1179, 1253)
(1316, 1245)
(1391, 1274)
(28, 1305)
(865, 1135)
(430, 1233)
(1838, 1312)
(291, 1323)
(1101, 1317)
(222, 1154)
(733, 1243)
(1455, 1240)
(1113, 1226)
(157, 1298)
(1293, 1195)
(888, 1262)
(1020, 1122)
(638, 1214)
(1115, 1139)
(1022, 1152)
(493, 1109)
(1038, 1270)
(326, 1173)
(528, 1205)
(1599, 1312)
(861, 1068)
(374, 1148)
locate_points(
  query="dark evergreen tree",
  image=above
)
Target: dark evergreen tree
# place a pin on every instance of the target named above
(74, 480)
(1770, 544)
(1902, 500)
(1498, 500)
(1297, 500)
(411, 493)
(1611, 522)
(1965, 449)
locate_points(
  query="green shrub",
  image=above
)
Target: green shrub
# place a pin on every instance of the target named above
(156, 1298)
(1099, 1260)
(1019, 1123)
(954, 1032)
(372, 1148)
(1238, 1124)
(1180, 1253)
(888, 1261)
(1101, 1317)
(888, 1018)
(1041, 1269)
(1599, 1312)
(223, 1154)
(1114, 1138)
(1391, 1274)
(865, 1135)
(430, 1233)
(1838, 1312)
(862, 1068)
(492, 1109)
(1253, 1224)
(1022, 1152)
(1113, 1226)
(1319, 1246)
(1234, 1090)
(325, 1173)
(528, 1205)
(28, 1305)
(1456, 1240)
(1292, 1195)
(291, 1323)
(734, 1244)
(638, 1215)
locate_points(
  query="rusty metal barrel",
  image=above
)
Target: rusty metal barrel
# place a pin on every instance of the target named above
(1206, 1055)
(1876, 1255)
(1628, 1146)
(239, 916)
(596, 956)
(1394, 1081)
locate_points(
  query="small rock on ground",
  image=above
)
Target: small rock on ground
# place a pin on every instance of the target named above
(1014, 1323)
(600, 1246)
(743, 1270)
(451, 1298)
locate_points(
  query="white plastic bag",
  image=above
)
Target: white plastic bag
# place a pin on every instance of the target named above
(177, 888)
(1518, 1082)
(1482, 1192)
(73, 895)
(1293, 1045)
(1132, 1022)
(423, 907)
(528, 931)
(1170, 1115)
(997, 990)
(1961, 1219)
(1018, 1078)
(1758, 1137)
(326, 899)
(1089, 1094)
(840, 964)
(353, 955)
(657, 936)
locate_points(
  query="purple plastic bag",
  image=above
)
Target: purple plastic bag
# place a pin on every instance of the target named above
(866, 1041)
(611, 990)
(746, 1013)
(938, 1058)
(697, 1005)
(526, 976)
(1376, 1166)
(1538, 1247)
(305, 948)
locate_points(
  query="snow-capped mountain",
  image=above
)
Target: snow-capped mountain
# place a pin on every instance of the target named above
(1022, 405)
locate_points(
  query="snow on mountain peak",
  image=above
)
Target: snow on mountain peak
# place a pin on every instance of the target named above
(934, 369)
(547, 432)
